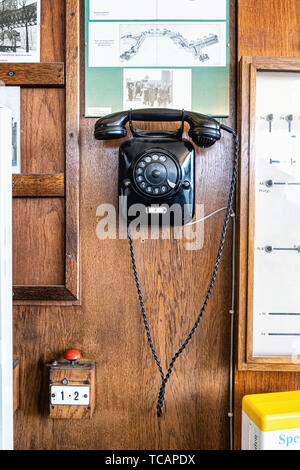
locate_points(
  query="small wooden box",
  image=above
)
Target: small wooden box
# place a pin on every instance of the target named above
(71, 390)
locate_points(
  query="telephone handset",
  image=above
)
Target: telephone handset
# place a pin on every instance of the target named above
(157, 168)
(204, 130)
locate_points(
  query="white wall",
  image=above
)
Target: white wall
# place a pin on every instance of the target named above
(6, 360)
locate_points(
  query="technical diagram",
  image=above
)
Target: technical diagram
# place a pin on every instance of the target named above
(196, 47)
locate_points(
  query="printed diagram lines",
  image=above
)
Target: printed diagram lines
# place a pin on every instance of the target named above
(196, 47)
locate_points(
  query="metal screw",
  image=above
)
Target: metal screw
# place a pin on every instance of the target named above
(186, 184)
(126, 183)
(71, 256)
(11, 73)
(65, 381)
(53, 395)
(72, 13)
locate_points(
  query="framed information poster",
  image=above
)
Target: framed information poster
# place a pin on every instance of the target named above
(159, 53)
(269, 214)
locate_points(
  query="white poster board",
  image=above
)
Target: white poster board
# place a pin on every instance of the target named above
(6, 360)
(276, 295)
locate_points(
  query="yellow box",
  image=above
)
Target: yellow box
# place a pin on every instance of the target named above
(271, 421)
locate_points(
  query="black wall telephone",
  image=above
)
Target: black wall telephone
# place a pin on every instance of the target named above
(157, 167)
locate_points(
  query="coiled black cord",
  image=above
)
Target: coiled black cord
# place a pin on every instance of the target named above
(165, 378)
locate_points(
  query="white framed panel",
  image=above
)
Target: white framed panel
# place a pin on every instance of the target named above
(276, 275)
(6, 359)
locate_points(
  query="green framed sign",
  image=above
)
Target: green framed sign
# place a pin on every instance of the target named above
(159, 53)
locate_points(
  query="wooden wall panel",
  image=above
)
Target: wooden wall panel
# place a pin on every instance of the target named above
(266, 28)
(43, 130)
(38, 241)
(108, 327)
(52, 31)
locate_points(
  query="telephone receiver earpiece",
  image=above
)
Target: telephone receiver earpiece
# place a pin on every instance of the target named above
(204, 130)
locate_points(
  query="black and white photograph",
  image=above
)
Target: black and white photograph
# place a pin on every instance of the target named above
(20, 30)
(157, 88)
(10, 98)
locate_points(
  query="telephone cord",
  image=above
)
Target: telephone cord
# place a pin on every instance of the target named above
(165, 378)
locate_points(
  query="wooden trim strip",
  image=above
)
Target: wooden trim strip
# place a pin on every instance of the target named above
(287, 64)
(43, 185)
(16, 384)
(72, 145)
(243, 208)
(251, 208)
(42, 293)
(40, 74)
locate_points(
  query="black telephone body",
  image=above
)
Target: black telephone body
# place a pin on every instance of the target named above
(157, 168)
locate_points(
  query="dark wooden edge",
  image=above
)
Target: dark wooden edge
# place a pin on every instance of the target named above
(244, 361)
(35, 185)
(42, 293)
(242, 208)
(33, 74)
(16, 384)
(276, 64)
(72, 145)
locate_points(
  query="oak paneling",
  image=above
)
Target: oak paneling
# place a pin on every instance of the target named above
(43, 130)
(268, 29)
(53, 31)
(39, 185)
(38, 241)
(41, 74)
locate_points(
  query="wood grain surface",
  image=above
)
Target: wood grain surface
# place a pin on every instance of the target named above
(38, 241)
(72, 39)
(43, 140)
(16, 384)
(41, 74)
(108, 328)
(39, 185)
(264, 29)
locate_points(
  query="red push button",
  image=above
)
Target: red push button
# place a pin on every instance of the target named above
(72, 355)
